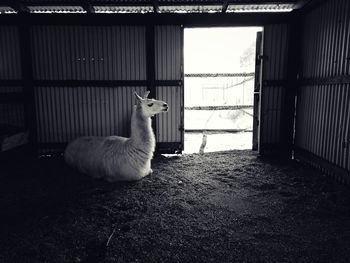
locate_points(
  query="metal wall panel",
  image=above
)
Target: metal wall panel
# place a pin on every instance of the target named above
(8, 89)
(322, 123)
(275, 50)
(10, 69)
(12, 114)
(272, 97)
(169, 124)
(326, 41)
(168, 52)
(65, 113)
(89, 52)
(168, 67)
(323, 110)
(10, 63)
(102, 53)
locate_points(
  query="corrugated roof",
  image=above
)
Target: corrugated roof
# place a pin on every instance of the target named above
(145, 6)
(7, 10)
(123, 9)
(260, 7)
(56, 9)
(190, 8)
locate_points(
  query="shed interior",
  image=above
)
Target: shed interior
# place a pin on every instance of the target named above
(69, 69)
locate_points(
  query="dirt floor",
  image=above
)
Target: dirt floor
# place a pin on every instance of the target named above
(215, 207)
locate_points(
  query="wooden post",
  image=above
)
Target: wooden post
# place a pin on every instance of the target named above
(27, 80)
(288, 110)
(151, 66)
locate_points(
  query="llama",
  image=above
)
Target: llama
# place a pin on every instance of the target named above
(116, 158)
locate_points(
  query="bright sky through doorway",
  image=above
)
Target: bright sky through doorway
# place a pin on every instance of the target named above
(218, 49)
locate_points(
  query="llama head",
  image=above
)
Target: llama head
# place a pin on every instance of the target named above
(150, 107)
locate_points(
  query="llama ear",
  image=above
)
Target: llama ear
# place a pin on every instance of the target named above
(145, 96)
(139, 99)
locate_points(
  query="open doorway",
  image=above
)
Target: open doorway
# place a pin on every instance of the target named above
(219, 65)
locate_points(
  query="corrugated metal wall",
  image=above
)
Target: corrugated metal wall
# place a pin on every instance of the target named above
(168, 52)
(64, 113)
(168, 67)
(169, 124)
(323, 110)
(86, 53)
(10, 62)
(89, 53)
(11, 113)
(275, 48)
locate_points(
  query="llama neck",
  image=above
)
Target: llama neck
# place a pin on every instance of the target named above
(141, 130)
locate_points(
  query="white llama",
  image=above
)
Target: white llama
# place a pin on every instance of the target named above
(116, 158)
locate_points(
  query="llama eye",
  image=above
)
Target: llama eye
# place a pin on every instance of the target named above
(150, 105)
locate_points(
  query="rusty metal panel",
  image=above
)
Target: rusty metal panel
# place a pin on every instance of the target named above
(89, 52)
(168, 52)
(169, 125)
(10, 61)
(65, 113)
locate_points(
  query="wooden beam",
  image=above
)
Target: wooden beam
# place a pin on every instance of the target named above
(151, 67)
(212, 19)
(334, 80)
(224, 6)
(16, 5)
(90, 83)
(87, 6)
(28, 88)
(288, 107)
(11, 97)
(306, 5)
(233, 107)
(155, 6)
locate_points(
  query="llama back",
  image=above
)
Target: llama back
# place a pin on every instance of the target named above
(111, 158)
(81, 154)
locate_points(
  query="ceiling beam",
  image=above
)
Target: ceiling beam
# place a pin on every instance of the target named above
(155, 6)
(87, 6)
(193, 19)
(224, 6)
(15, 5)
(303, 5)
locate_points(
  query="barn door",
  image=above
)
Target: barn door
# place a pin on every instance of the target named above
(169, 87)
(273, 89)
(257, 85)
